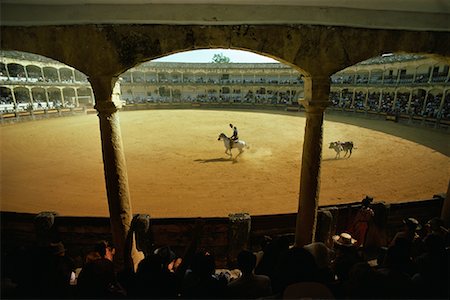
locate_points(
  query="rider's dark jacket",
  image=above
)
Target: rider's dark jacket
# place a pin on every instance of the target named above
(235, 137)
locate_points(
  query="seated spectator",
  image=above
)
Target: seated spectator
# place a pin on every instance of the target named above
(55, 276)
(249, 285)
(271, 253)
(364, 283)
(153, 280)
(200, 281)
(322, 256)
(409, 232)
(266, 240)
(98, 279)
(395, 269)
(346, 255)
(409, 236)
(295, 265)
(399, 257)
(431, 280)
(436, 226)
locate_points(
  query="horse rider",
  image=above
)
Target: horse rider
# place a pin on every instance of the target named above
(234, 138)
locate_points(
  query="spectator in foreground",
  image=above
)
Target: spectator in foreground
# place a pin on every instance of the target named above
(432, 278)
(346, 255)
(322, 256)
(296, 265)
(409, 237)
(153, 280)
(409, 231)
(200, 281)
(56, 274)
(98, 279)
(249, 285)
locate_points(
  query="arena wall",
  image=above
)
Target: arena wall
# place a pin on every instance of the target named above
(221, 236)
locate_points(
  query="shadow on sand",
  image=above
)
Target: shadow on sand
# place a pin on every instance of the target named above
(221, 159)
(333, 159)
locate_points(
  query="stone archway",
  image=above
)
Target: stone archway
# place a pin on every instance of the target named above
(102, 52)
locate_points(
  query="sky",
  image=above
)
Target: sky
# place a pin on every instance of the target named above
(206, 55)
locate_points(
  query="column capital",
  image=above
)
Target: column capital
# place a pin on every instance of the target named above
(317, 91)
(102, 87)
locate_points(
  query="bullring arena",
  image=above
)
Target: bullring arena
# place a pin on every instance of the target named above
(178, 168)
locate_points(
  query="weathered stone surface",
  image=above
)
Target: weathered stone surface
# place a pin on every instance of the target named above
(315, 50)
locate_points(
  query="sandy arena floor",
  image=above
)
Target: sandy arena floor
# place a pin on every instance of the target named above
(177, 168)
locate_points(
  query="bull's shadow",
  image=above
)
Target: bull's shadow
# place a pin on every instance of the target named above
(215, 160)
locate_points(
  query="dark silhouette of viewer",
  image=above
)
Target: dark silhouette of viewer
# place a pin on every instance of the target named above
(294, 266)
(98, 278)
(249, 285)
(153, 280)
(432, 279)
(199, 281)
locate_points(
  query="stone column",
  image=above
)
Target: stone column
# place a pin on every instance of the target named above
(441, 105)
(395, 100)
(352, 103)
(63, 102)
(380, 99)
(239, 226)
(409, 101)
(46, 98)
(114, 168)
(425, 102)
(26, 73)
(317, 91)
(30, 92)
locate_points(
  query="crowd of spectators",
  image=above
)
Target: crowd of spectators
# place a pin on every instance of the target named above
(413, 265)
(259, 97)
(153, 78)
(405, 104)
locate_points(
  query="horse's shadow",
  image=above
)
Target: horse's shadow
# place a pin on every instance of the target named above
(332, 159)
(220, 159)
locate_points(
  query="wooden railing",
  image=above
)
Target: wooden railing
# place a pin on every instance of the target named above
(80, 233)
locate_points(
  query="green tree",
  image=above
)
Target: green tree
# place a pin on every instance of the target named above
(219, 58)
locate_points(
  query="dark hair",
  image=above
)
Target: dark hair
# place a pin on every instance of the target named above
(203, 264)
(102, 246)
(246, 261)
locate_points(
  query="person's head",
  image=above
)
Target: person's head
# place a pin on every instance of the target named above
(151, 265)
(203, 264)
(436, 224)
(246, 261)
(366, 201)
(321, 253)
(411, 224)
(166, 254)
(344, 240)
(57, 249)
(296, 265)
(105, 249)
(231, 125)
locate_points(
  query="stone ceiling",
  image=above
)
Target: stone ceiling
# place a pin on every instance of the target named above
(421, 15)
